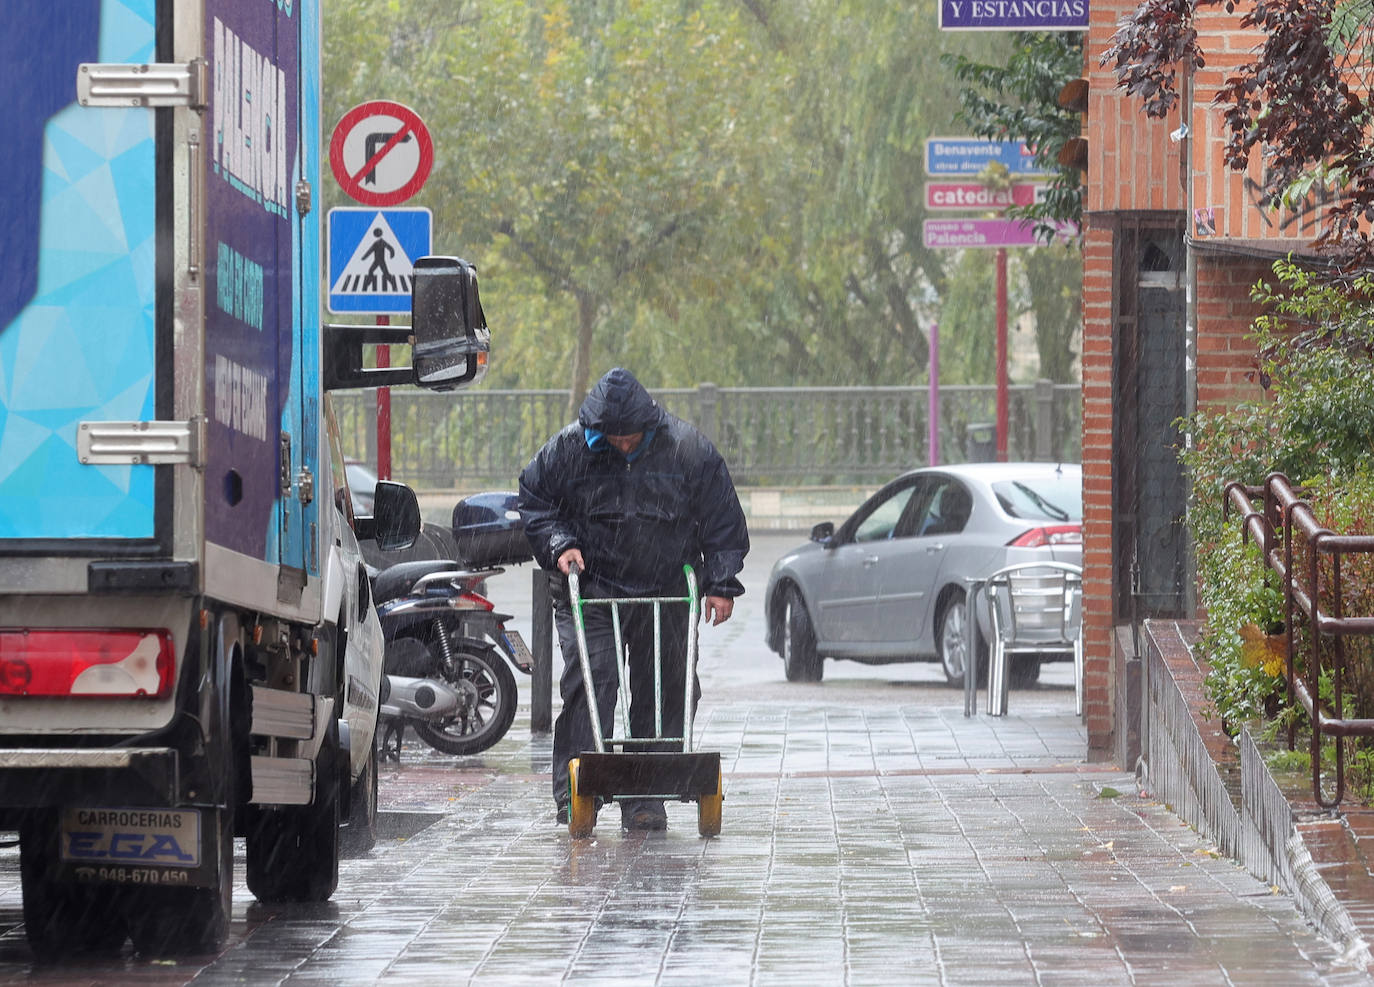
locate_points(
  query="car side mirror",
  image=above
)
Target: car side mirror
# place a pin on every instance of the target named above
(823, 532)
(395, 520)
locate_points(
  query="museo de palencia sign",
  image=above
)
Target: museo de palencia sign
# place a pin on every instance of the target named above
(1013, 15)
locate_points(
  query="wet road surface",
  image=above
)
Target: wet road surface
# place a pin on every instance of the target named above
(872, 835)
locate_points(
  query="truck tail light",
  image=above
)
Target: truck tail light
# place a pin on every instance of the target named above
(1055, 534)
(90, 663)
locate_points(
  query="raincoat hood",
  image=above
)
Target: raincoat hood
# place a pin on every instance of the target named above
(619, 405)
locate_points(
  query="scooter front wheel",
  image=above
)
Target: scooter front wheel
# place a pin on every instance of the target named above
(488, 688)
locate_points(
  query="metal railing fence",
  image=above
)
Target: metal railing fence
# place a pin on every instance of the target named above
(768, 435)
(1311, 563)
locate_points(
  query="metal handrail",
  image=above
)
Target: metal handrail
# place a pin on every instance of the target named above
(1283, 516)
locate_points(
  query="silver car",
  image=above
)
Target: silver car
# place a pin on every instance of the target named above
(890, 584)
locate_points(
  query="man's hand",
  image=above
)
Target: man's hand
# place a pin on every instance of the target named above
(569, 558)
(717, 609)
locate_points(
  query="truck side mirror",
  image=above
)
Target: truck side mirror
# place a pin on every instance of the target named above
(395, 520)
(448, 334)
(450, 328)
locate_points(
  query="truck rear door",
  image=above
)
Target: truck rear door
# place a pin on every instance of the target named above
(85, 324)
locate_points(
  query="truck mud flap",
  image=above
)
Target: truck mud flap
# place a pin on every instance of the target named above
(51, 777)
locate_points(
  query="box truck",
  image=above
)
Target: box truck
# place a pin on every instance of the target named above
(188, 645)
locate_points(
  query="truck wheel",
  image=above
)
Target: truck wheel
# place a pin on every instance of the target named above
(59, 917)
(167, 921)
(360, 835)
(489, 685)
(293, 851)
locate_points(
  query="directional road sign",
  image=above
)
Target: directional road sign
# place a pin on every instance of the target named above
(947, 156)
(1013, 15)
(956, 234)
(966, 196)
(372, 255)
(381, 153)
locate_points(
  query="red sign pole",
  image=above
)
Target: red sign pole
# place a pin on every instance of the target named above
(1001, 355)
(383, 410)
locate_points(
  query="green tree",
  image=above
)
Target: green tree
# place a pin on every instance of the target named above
(585, 148)
(1018, 99)
(727, 190)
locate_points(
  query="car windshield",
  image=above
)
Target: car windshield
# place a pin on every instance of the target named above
(1042, 498)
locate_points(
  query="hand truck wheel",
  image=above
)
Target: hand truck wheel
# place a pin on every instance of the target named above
(581, 808)
(709, 809)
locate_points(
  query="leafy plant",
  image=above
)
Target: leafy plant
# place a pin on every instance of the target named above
(1315, 426)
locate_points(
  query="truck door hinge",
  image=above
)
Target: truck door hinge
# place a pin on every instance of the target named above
(284, 465)
(305, 485)
(140, 443)
(303, 197)
(149, 84)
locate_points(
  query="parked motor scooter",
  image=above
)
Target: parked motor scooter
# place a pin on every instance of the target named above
(449, 653)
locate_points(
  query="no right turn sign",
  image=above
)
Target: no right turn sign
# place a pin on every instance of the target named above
(381, 153)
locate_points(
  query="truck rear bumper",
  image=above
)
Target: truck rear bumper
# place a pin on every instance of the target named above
(43, 777)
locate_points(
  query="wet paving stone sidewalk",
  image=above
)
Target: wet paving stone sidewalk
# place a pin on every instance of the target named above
(880, 844)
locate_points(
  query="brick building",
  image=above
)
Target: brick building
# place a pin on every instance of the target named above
(1173, 243)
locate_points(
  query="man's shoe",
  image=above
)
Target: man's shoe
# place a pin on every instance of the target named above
(645, 816)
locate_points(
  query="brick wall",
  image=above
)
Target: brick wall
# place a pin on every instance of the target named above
(1135, 167)
(1131, 162)
(1225, 357)
(1097, 490)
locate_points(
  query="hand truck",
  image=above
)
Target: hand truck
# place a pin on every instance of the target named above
(617, 770)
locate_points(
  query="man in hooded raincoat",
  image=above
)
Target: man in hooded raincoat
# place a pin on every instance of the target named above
(630, 494)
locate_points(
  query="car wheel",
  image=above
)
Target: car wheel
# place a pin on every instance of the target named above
(293, 851)
(800, 662)
(952, 640)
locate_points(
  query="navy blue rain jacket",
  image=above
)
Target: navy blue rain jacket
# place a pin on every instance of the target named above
(636, 520)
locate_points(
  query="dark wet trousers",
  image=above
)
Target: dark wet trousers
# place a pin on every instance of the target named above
(572, 730)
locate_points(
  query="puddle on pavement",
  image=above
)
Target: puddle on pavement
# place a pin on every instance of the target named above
(394, 825)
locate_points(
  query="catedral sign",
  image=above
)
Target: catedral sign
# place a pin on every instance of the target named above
(954, 196)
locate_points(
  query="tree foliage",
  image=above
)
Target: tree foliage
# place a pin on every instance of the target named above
(722, 190)
(1302, 99)
(1017, 99)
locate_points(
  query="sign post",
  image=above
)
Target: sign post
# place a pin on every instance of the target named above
(964, 157)
(381, 154)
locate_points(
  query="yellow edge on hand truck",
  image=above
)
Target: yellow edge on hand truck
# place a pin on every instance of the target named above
(685, 775)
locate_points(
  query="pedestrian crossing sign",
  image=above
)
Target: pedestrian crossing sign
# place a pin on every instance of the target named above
(372, 254)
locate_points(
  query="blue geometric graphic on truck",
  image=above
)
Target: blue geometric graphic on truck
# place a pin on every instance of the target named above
(81, 347)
